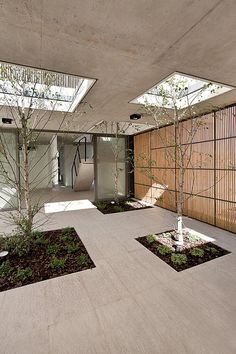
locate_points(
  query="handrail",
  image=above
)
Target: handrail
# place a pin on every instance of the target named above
(77, 155)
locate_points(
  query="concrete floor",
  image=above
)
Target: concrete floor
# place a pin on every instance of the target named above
(132, 302)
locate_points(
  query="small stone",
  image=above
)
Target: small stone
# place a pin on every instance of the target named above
(3, 254)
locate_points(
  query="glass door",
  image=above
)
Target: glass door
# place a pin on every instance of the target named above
(110, 160)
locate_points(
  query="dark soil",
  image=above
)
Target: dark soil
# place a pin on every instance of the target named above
(210, 250)
(38, 259)
(110, 207)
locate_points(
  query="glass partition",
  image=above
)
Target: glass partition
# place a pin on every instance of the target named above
(110, 167)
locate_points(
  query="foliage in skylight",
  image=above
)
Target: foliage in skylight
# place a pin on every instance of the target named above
(181, 91)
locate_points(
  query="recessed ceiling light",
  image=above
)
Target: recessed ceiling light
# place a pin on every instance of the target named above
(193, 90)
(135, 116)
(20, 86)
(7, 120)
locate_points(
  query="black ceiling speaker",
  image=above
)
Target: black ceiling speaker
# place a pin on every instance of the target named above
(135, 116)
(6, 120)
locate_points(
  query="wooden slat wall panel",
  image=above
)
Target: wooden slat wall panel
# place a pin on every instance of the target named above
(226, 123)
(200, 155)
(212, 168)
(142, 176)
(163, 137)
(226, 215)
(142, 148)
(200, 208)
(167, 199)
(226, 185)
(163, 157)
(226, 153)
(143, 193)
(200, 182)
(205, 129)
(164, 177)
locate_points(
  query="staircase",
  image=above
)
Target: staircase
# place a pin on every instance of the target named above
(82, 170)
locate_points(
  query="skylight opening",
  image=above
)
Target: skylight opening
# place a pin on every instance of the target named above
(40, 89)
(182, 91)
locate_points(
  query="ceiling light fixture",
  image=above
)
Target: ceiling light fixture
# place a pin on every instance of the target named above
(135, 116)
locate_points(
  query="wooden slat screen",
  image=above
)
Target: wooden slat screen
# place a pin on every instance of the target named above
(212, 168)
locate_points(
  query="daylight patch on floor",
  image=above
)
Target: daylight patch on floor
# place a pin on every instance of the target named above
(57, 207)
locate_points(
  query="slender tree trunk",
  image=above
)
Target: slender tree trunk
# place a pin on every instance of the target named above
(27, 225)
(180, 195)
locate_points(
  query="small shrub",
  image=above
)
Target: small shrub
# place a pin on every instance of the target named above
(36, 234)
(213, 250)
(163, 249)
(167, 234)
(101, 205)
(178, 258)
(18, 245)
(72, 248)
(57, 263)
(24, 273)
(41, 241)
(118, 208)
(151, 238)
(53, 249)
(197, 252)
(5, 269)
(66, 234)
(193, 238)
(67, 231)
(83, 259)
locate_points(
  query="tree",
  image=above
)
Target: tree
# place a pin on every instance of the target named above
(32, 98)
(172, 103)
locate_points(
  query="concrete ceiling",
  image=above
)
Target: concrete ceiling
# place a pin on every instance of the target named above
(128, 46)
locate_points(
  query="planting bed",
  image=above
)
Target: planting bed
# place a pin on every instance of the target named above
(195, 250)
(110, 207)
(51, 254)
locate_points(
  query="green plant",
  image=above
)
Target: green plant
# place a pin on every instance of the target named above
(101, 205)
(40, 239)
(151, 238)
(36, 234)
(53, 249)
(197, 252)
(57, 263)
(118, 208)
(24, 273)
(66, 234)
(73, 247)
(83, 259)
(67, 230)
(178, 258)
(163, 249)
(5, 269)
(213, 250)
(193, 238)
(18, 244)
(167, 234)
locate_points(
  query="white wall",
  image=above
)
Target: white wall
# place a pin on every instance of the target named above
(42, 167)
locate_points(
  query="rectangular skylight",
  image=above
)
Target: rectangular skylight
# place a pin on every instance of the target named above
(24, 87)
(182, 91)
